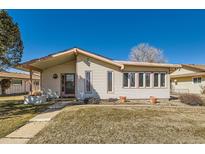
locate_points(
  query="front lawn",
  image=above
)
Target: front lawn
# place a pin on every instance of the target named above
(117, 124)
(14, 114)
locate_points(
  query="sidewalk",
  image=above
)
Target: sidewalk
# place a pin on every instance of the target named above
(36, 124)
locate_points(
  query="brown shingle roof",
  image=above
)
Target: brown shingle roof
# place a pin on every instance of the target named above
(17, 75)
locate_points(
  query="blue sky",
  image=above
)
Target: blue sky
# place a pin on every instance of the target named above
(112, 33)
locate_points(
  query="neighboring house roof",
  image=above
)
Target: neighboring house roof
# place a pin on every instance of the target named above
(188, 75)
(195, 66)
(199, 71)
(17, 75)
(41, 63)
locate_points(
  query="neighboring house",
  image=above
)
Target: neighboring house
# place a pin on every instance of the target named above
(20, 82)
(188, 79)
(81, 74)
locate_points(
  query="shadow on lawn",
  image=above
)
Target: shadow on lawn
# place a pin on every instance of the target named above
(9, 109)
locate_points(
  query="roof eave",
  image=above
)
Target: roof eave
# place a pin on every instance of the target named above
(160, 66)
(194, 67)
(26, 66)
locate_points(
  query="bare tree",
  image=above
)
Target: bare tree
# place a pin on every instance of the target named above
(146, 53)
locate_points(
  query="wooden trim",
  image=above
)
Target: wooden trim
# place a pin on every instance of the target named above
(193, 67)
(153, 65)
(74, 51)
(33, 68)
(98, 57)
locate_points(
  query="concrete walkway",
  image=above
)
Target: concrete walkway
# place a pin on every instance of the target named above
(35, 125)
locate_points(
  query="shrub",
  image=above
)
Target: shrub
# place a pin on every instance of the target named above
(5, 84)
(191, 99)
(202, 89)
(112, 100)
(92, 100)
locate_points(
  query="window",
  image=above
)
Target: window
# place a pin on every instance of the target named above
(162, 80)
(109, 81)
(132, 79)
(16, 82)
(36, 83)
(88, 81)
(141, 79)
(125, 79)
(156, 79)
(197, 80)
(129, 79)
(147, 80)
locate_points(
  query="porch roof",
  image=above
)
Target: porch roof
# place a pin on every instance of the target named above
(18, 75)
(70, 54)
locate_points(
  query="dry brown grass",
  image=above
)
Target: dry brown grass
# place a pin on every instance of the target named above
(11, 98)
(117, 124)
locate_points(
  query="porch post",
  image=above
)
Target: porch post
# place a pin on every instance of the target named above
(31, 84)
(41, 81)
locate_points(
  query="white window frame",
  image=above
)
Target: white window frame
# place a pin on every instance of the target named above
(197, 80)
(112, 81)
(165, 82)
(128, 82)
(150, 86)
(159, 74)
(143, 80)
(89, 92)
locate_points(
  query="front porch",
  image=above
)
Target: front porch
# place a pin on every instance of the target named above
(57, 75)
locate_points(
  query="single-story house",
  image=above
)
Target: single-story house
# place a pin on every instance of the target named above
(189, 78)
(81, 74)
(20, 82)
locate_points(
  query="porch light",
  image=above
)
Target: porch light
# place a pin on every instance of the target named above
(55, 76)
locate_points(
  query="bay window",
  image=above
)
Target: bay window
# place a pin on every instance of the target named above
(146, 80)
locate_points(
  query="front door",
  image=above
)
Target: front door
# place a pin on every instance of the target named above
(68, 85)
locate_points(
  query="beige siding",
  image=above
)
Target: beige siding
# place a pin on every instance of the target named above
(183, 85)
(99, 81)
(99, 71)
(55, 84)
